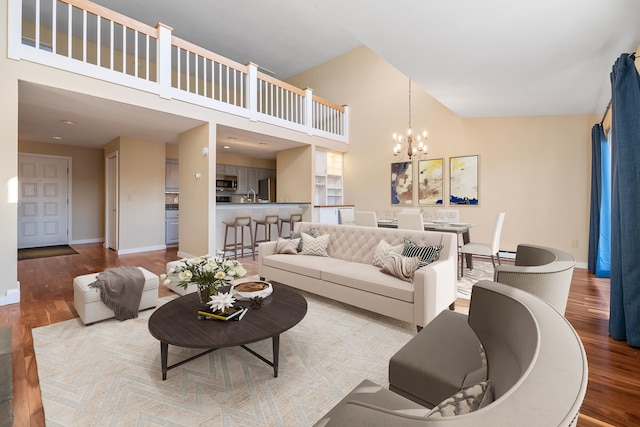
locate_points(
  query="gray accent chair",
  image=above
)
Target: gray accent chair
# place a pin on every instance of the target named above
(545, 272)
(535, 361)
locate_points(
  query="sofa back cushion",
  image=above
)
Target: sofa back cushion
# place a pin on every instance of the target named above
(358, 244)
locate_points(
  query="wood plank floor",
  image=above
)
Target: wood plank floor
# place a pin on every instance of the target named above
(47, 297)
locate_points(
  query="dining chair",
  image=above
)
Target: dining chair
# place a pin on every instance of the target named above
(490, 249)
(346, 217)
(366, 218)
(410, 221)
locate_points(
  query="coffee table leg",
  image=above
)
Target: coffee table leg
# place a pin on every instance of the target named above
(164, 350)
(276, 352)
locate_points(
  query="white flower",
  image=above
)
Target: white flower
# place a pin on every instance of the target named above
(219, 252)
(173, 270)
(221, 301)
(228, 263)
(163, 277)
(208, 268)
(220, 275)
(167, 282)
(185, 275)
(240, 271)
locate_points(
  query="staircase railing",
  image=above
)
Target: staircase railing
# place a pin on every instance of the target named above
(85, 38)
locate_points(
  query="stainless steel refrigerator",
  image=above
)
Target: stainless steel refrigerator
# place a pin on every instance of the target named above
(267, 189)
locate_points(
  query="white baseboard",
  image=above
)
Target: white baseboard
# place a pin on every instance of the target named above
(84, 241)
(144, 249)
(13, 296)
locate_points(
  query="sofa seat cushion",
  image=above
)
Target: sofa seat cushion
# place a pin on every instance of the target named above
(368, 278)
(306, 265)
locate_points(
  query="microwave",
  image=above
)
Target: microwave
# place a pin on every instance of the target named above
(226, 183)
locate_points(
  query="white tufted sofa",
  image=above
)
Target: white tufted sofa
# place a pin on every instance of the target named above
(347, 275)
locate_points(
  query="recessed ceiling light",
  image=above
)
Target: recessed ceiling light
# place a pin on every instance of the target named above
(56, 137)
(69, 122)
(226, 147)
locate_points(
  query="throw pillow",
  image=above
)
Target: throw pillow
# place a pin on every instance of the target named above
(382, 250)
(311, 232)
(315, 245)
(400, 266)
(467, 400)
(427, 254)
(287, 246)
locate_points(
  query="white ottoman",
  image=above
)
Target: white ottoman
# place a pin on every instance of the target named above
(91, 309)
(192, 287)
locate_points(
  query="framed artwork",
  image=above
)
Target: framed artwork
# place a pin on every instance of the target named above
(430, 184)
(401, 183)
(463, 180)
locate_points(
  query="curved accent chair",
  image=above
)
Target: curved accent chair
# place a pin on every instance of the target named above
(543, 271)
(535, 363)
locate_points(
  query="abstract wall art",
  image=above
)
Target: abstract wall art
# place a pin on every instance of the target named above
(463, 180)
(401, 183)
(430, 182)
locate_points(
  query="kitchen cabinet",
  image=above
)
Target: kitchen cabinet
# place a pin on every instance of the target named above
(328, 178)
(228, 170)
(329, 215)
(172, 228)
(171, 182)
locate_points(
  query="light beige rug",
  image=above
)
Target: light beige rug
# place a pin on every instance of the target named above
(482, 270)
(108, 374)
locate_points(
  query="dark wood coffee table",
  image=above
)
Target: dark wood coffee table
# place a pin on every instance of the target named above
(176, 323)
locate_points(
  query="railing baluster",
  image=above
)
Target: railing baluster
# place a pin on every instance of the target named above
(54, 23)
(98, 40)
(69, 31)
(84, 35)
(124, 49)
(147, 57)
(135, 53)
(111, 45)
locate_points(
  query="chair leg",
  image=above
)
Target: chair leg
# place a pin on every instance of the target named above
(493, 261)
(498, 255)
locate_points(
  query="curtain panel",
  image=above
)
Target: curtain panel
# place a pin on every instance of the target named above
(624, 315)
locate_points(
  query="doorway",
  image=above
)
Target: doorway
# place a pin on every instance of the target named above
(111, 232)
(43, 200)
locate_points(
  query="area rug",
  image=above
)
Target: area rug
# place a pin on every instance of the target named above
(482, 270)
(108, 373)
(45, 251)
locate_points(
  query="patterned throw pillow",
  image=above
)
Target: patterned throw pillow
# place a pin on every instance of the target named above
(467, 400)
(382, 250)
(427, 254)
(315, 245)
(400, 266)
(287, 246)
(311, 232)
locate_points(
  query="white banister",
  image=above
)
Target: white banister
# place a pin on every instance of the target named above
(308, 110)
(163, 60)
(173, 68)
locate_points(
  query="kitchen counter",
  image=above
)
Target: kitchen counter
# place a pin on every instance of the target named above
(224, 213)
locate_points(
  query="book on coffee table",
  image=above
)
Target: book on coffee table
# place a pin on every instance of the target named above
(236, 313)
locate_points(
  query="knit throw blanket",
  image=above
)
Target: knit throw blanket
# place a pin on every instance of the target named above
(121, 290)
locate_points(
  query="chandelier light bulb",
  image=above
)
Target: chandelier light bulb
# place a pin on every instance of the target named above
(409, 132)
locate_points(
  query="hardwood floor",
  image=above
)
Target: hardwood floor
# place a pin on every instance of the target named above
(47, 297)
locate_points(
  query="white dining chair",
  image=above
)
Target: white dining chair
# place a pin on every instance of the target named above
(366, 218)
(491, 249)
(346, 217)
(410, 221)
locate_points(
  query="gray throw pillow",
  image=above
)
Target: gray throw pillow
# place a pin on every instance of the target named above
(467, 400)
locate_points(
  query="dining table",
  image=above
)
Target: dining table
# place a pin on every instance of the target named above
(460, 228)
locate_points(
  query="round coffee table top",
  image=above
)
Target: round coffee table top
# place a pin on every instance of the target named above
(177, 323)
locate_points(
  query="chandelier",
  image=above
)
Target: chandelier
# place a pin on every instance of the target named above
(411, 150)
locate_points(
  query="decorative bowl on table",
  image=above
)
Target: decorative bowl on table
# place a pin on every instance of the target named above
(250, 289)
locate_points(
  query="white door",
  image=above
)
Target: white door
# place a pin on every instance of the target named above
(112, 201)
(42, 201)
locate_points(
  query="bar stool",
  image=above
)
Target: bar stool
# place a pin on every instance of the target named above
(270, 219)
(241, 219)
(295, 215)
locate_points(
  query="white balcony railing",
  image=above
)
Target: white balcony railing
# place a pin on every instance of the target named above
(85, 38)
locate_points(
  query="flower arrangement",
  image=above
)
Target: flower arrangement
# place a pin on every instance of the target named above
(208, 273)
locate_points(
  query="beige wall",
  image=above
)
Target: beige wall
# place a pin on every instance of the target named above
(87, 186)
(251, 162)
(141, 193)
(536, 169)
(197, 201)
(294, 182)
